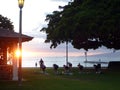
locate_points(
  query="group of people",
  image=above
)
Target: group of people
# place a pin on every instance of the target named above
(97, 68)
(67, 69)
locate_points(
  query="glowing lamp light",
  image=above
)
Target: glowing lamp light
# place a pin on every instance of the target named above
(21, 3)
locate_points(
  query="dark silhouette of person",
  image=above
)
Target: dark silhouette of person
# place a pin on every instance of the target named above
(70, 66)
(42, 66)
(66, 69)
(97, 68)
(80, 67)
(55, 67)
(36, 64)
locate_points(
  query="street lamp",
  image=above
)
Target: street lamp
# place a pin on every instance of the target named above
(21, 4)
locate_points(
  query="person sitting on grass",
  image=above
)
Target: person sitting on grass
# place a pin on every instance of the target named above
(80, 67)
(70, 66)
(97, 68)
(66, 69)
(55, 67)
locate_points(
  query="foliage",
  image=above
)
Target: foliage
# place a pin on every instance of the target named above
(5, 23)
(87, 24)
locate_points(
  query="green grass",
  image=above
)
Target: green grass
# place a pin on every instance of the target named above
(34, 80)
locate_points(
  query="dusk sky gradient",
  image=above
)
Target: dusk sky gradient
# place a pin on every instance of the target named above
(34, 14)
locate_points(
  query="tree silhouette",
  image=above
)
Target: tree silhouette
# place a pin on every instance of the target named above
(87, 24)
(5, 23)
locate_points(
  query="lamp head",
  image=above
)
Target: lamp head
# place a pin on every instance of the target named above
(21, 3)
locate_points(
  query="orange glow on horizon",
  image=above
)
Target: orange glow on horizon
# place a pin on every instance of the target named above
(27, 53)
(49, 54)
(52, 54)
(24, 53)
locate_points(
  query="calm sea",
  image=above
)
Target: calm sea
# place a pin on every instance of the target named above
(49, 61)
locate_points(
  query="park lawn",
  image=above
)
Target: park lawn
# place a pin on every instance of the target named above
(34, 80)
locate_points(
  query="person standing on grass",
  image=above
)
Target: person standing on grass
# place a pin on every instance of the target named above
(36, 64)
(42, 66)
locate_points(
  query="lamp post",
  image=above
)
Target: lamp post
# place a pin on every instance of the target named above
(21, 4)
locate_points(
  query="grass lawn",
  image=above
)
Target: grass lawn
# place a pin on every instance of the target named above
(34, 80)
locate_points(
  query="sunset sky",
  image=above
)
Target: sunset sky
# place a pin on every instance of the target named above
(34, 13)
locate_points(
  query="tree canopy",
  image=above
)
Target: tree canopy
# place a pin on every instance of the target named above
(87, 24)
(5, 23)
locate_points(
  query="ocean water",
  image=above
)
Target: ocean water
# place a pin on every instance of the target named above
(49, 61)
